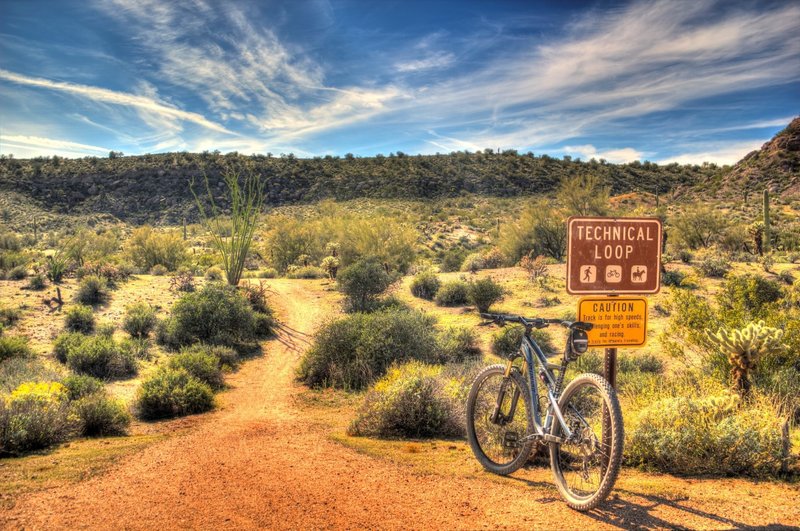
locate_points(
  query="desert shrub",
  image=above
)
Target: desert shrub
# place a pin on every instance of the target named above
(12, 259)
(539, 230)
(100, 357)
(306, 272)
(269, 272)
(362, 283)
(452, 260)
(410, 401)
(786, 277)
(111, 273)
(472, 263)
(713, 266)
(14, 347)
(744, 298)
(35, 415)
(453, 293)
(425, 285)
(685, 256)
(65, 343)
(79, 318)
(140, 320)
(158, 270)
(199, 364)
(214, 274)
(9, 242)
(173, 393)
(672, 278)
(81, 385)
(458, 344)
(182, 281)
(484, 292)
(9, 316)
(494, 258)
(697, 227)
(136, 348)
(36, 283)
(216, 314)
(354, 351)
(679, 435)
(640, 363)
(16, 371)
(106, 329)
(92, 290)
(18, 273)
(147, 248)
(227, 358)
(100, 415)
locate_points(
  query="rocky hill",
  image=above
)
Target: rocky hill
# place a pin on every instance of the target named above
(155, 188)
(775, 166)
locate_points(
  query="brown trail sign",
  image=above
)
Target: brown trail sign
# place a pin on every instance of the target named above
(613, 255)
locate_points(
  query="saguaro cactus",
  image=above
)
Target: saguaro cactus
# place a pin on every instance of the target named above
(744, 347)
(767, 245)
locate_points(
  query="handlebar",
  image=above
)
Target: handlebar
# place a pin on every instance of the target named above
(534, 322)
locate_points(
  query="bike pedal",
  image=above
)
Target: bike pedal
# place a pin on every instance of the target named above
(511, 439)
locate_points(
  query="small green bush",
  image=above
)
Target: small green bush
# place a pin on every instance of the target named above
(452, 260)
(65, 343)
(425, 285)
(472, 263)
(79, 318)
(159, 270)
(362, 283)
(708, 435)
(485, 292)
(136, 348)
(92, 290)
(173, 393)
(745, 298)
(148, 249)
(106, 329)
(353, 352)
(16, 371)
(269, 272)
(458, 344)
(453, 293)
(9, 316)
(140, 319)
(18, 273)
(34, 416)
(227, 358)
(201, 365)
(101, 357)
(412, 400)
(214, 274)
(305, 272)
(14, 347)
(37, 283)
(713, 266)
(217, 314)
(81, 385)
(100, 415)
(507, 340)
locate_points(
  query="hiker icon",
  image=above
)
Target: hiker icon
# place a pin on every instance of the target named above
(588, 274)
(639, 274)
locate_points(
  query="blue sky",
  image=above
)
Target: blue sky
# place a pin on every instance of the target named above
(677, 80)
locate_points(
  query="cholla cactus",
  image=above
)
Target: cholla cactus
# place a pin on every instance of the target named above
(744, 348)
(330, 264)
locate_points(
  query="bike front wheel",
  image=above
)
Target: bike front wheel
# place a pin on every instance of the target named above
(499, 420)
(585, 466)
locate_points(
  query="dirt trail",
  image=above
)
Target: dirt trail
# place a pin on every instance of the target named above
(256, 463)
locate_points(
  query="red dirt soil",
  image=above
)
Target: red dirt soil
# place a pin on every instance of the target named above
(256, 463)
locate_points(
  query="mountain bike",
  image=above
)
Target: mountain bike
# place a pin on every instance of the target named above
(506, 417)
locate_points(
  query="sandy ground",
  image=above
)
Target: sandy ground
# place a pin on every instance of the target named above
(257, 462)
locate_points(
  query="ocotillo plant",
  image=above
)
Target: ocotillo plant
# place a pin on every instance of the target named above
(246, 201)
(767, 244)
(744, 347)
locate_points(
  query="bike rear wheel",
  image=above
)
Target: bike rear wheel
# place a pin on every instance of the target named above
(586, 468)
(499, 420)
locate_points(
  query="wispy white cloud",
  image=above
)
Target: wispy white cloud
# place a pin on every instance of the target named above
(717, 152)
(616, 156)
(435, 60)
(23, 145)
(141, 103)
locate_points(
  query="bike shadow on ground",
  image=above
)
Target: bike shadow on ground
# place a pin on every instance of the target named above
(627, 513)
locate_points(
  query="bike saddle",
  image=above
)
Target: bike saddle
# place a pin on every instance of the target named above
(582, 325)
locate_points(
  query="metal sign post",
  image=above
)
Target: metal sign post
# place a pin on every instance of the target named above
(613, 256)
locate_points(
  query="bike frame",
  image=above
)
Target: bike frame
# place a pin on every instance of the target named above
(534, 357)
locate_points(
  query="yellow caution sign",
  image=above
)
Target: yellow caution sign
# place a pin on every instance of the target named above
(618, 321)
